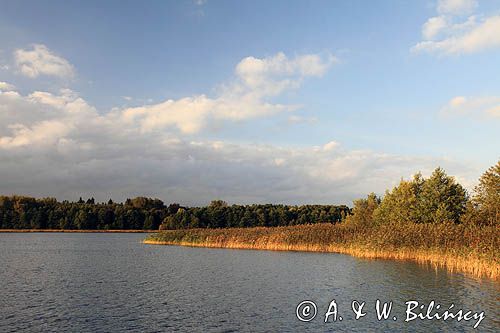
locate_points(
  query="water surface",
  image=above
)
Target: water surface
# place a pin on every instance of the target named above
(114, 283)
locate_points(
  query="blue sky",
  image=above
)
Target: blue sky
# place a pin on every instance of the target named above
(398, 87)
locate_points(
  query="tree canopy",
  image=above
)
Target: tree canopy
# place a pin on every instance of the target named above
(19, 212)
(221, 215)
(485, 204)
(437, 199)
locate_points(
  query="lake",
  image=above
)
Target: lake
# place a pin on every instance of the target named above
(88, 282)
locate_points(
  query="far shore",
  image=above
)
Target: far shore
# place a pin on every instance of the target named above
(78, 231)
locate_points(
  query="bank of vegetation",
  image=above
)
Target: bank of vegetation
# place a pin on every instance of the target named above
(432, 221)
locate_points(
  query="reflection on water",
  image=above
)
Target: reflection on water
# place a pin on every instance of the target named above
(113, 283)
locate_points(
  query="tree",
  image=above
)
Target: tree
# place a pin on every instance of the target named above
(145, 203)
(434, 200)
(217, 214)
(442, 199)
(400, 204)
(81, 220)
(247, 219)
(106, 217)
(149, 222)
(63, 223)
(485, 204)
(363, 210)
(218, 204)
(173, 208)
(40, 220)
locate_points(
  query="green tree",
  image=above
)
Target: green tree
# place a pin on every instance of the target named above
(400, 204)
(442, 199)
(81, 220)
(149, 222)
(484, 208)
(218, 204)
(363, 210)
(40, 220)
(434, 200)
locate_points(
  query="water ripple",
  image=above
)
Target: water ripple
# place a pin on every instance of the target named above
(113, 283)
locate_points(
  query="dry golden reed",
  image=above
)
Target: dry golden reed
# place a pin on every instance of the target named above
(471, 250)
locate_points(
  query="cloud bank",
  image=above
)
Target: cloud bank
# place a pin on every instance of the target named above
(58, 144)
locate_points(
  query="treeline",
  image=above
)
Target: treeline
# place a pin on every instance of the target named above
(437, 199)
(20, 212)
(221, 215)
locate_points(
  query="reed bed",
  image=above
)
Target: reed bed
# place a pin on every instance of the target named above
(472, 250)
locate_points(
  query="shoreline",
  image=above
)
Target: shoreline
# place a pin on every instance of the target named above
(75, 231)
(462, 259)
(433, 258)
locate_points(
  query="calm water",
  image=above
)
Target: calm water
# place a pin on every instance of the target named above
(113, 283)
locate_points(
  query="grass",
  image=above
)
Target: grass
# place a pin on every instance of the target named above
(472, 250)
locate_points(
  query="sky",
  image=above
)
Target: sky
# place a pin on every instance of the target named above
(292, 102)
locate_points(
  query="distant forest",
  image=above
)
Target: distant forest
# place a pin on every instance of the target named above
(20, 212)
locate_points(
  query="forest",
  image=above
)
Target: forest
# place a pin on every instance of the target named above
(21, 212)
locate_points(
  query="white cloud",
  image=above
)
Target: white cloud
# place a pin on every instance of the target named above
(330, 146)
(187, 114)
(257, 80)
(46, 132)
(483, 36)
(433, 27)
(456, 7)
(476, 106)
(43, 119)
(41, 61)
(6, 86)
(271, 75)
(444, 35)
(457, 101)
